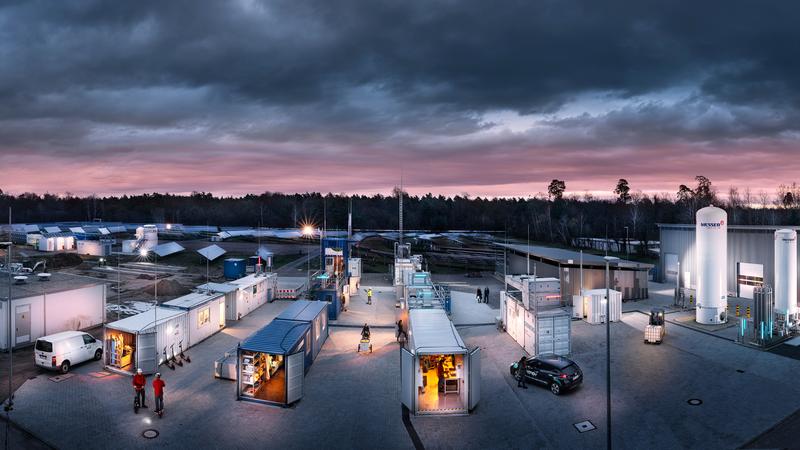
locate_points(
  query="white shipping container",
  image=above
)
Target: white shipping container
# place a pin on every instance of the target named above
(154, 331)
(595, 307)
(547, 332)
(206, 314)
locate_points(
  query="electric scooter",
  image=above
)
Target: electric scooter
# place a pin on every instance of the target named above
(183, 356)
(136, 404)
(167, 360)
(175, 360)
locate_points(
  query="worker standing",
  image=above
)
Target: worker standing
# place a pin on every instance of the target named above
(158, 393)
(139, 382)
(369, 296)
(522, 368)
(486, 294)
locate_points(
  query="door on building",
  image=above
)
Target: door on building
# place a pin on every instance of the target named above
(748, 276)
(671, 268)
(407, 379)
(474, 377)
(146, 353)
(22, 325)
(295, 373)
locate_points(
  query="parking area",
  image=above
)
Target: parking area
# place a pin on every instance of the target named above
(351, 399)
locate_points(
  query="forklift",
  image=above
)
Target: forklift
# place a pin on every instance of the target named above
(657, 327)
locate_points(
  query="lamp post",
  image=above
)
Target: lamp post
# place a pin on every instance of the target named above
(308, 231)
(608, 260)
(10, 401)
(627, 246)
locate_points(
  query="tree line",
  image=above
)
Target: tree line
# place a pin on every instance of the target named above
(554, 217)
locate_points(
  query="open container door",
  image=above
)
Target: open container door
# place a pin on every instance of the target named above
(295, 372)
(146, 353)
(474, 377)
(407, 379)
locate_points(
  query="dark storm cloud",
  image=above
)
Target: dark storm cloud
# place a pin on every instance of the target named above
(379, 81)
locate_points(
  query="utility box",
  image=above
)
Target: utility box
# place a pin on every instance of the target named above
(594, 306)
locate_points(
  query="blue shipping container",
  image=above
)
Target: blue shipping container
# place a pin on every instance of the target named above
(233, 268)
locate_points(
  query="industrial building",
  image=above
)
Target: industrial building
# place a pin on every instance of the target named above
(573, 269)
(48, 303)
(750, 259)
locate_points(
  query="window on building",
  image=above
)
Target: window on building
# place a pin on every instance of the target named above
(203, 317)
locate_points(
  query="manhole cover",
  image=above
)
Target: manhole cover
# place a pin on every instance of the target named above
(150, 434)
(60, 378)
(584, 426)
(694, 401)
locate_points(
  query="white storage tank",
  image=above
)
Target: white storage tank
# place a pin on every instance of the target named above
(786, 272)
(711, 233)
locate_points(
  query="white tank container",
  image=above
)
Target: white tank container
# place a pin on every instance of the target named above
(148, 234)
(711, 232)
(786, 272)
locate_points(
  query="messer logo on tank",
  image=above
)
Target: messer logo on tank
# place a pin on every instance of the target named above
(713, 224)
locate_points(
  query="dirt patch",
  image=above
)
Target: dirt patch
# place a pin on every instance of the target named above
(63, 260)
(168, 288)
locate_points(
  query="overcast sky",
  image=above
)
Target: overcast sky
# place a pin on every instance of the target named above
(489, 98)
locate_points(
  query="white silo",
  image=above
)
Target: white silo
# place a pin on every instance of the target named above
(147, 237)
(711, 232)
(786, 272)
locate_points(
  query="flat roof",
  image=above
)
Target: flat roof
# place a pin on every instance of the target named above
(145, 320)
(277, 338)
(218, 287)
(561, 256)
(249, 280)
(192, 300)
(303, 310)
(432, 332)
(57, 282)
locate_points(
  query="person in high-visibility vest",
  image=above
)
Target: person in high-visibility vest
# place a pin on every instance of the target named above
(369, 296)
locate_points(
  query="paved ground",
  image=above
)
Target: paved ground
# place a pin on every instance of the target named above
(351, 399)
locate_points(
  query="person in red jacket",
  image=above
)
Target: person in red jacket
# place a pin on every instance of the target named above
(139, 382)
(158, 392)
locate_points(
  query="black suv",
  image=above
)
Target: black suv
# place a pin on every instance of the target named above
(558, 373)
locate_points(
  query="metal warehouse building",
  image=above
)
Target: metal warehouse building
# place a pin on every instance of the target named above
(628, 277)
(751, 256)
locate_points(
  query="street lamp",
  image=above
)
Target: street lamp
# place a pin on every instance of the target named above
(308, 231)
(608, 260)
(10, 401)
(627, 246)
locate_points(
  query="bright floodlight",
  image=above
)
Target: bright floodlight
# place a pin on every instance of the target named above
(143, 252)
(169, 226)
(308, 230)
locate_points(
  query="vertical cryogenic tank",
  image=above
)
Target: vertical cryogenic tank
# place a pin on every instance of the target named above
(711, 233)
(786, 272)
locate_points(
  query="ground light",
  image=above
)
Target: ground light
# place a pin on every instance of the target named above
(608, 354)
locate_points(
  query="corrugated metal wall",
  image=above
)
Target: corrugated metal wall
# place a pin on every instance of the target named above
(754, 246)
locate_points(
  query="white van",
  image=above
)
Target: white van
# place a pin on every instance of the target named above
(62, 350)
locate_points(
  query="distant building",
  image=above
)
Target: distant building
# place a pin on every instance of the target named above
(43, 304)
(628, 277)
(751, 256)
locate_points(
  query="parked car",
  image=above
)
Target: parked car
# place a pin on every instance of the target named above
(61, 351)
(557, 372)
